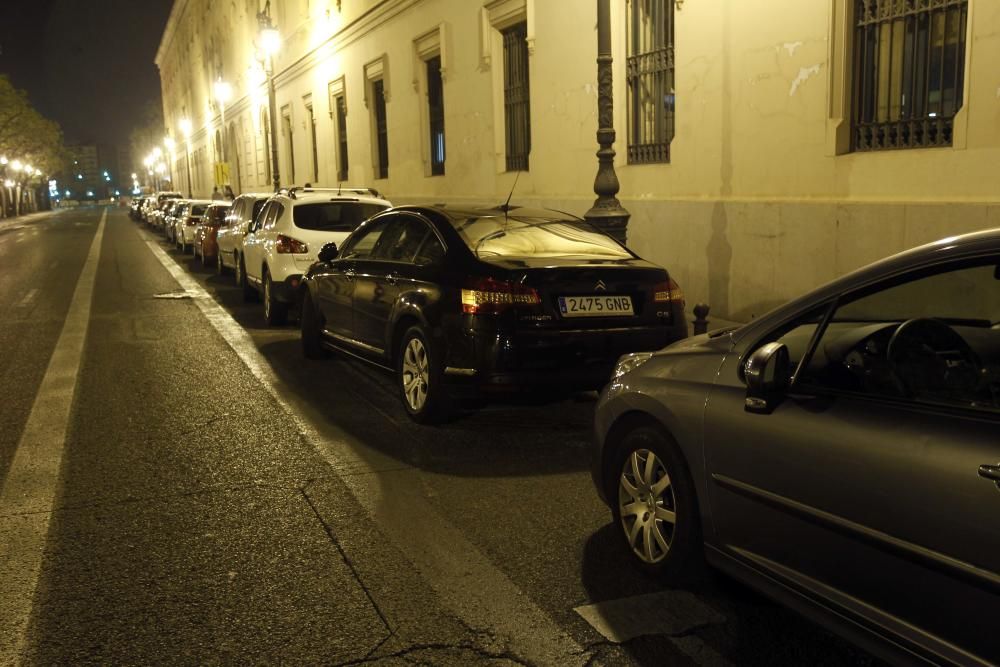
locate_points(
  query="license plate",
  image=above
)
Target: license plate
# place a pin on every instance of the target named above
(595, 306)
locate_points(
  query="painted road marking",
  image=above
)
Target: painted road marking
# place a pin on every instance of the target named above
(671, 613)
(466, 581)
(28, 298)
(28, 493)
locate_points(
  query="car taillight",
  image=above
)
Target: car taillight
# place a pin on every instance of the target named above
(489, 295)
(668, 292)
(288, 245)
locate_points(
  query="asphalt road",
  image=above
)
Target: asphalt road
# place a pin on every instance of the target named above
(213, 498)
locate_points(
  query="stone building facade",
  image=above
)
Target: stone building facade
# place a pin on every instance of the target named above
(764, 146)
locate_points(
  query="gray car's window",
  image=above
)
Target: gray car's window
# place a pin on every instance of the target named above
(930, 338)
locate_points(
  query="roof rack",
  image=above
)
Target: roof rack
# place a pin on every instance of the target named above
(355, 191)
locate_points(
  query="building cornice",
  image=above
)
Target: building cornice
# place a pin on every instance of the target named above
(176, 13)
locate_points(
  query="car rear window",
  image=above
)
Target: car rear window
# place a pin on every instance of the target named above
(218, 213)
(499, 237)
(336, 216)
(198, 209)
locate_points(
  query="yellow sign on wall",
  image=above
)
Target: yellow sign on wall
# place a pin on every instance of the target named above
(221, 173)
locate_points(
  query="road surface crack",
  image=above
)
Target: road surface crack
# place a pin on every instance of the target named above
(407, 654)
(390, 630)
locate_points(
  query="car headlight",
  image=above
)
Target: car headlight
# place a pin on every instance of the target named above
(630, 362)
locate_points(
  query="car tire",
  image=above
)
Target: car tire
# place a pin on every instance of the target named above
(249, 292)
(275, 312)
(419, 376)
(311, 321)
(661, 529)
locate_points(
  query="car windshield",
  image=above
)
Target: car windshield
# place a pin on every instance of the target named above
(218, 213)
(336, 216)
(536, 237)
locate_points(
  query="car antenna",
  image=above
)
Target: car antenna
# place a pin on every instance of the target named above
(506, 205)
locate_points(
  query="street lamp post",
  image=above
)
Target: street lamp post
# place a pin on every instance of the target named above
(186, 130)
(269, 40)
(607, 213)
(223, 92)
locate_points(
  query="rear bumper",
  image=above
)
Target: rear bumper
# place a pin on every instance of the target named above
(558, 360)
(287, 290)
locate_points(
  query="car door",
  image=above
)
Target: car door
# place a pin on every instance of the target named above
(863, 487)
(226, 233)
(253, 242)
(381, 277)
(335, 282)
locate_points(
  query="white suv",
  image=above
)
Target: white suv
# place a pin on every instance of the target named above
(286, 237)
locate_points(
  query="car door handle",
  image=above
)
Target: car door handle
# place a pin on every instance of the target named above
(392, 278)
(992, 472)
(349, 274)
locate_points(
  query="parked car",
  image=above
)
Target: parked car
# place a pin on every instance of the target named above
(135, 208)
(285, 239)
(185, 223)
(154, 202)
(170, 219)
(230, 236)
(841, 454)
(205, 246)
(475, 301)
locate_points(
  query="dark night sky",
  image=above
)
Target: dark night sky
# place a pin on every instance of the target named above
(87, 64)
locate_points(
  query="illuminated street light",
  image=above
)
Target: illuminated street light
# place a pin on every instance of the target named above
(186, 127)
(16, 165)
(3, 160)
(223, 91)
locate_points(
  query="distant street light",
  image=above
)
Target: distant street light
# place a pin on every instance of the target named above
(185, 124)
(268, 43)
(16, 165)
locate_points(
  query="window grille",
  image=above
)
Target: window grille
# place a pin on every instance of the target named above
(435, 107)
(909, 70)
(650, 75)
(381, 130)
(341, 107)
(516, 98)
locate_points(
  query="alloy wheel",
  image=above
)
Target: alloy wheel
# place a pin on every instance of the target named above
(647, 505)
(416, 374)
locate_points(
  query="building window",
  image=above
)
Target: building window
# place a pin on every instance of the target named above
(909, 72)
(650, 77)
(381, 129)
(435, 108)
(340, 108)
(516, 98)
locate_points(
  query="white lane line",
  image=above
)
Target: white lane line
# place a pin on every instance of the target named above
(28, 298)
(28, 493)
(466, 581)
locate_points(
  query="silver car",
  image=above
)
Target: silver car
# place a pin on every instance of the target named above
(841, 454)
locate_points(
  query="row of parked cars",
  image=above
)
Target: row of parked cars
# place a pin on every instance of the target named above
(840, 454)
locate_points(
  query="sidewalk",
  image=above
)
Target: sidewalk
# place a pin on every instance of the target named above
(28, 217)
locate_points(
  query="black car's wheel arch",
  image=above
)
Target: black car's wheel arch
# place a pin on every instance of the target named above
(404, 321)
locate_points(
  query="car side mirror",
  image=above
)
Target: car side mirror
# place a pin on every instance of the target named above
(767, 376)
(328, 252)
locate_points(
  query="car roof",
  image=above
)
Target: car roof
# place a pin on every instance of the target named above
(302, 195)
(948, 249)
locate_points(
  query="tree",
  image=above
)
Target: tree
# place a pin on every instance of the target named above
(25, 134)
(149, 133)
